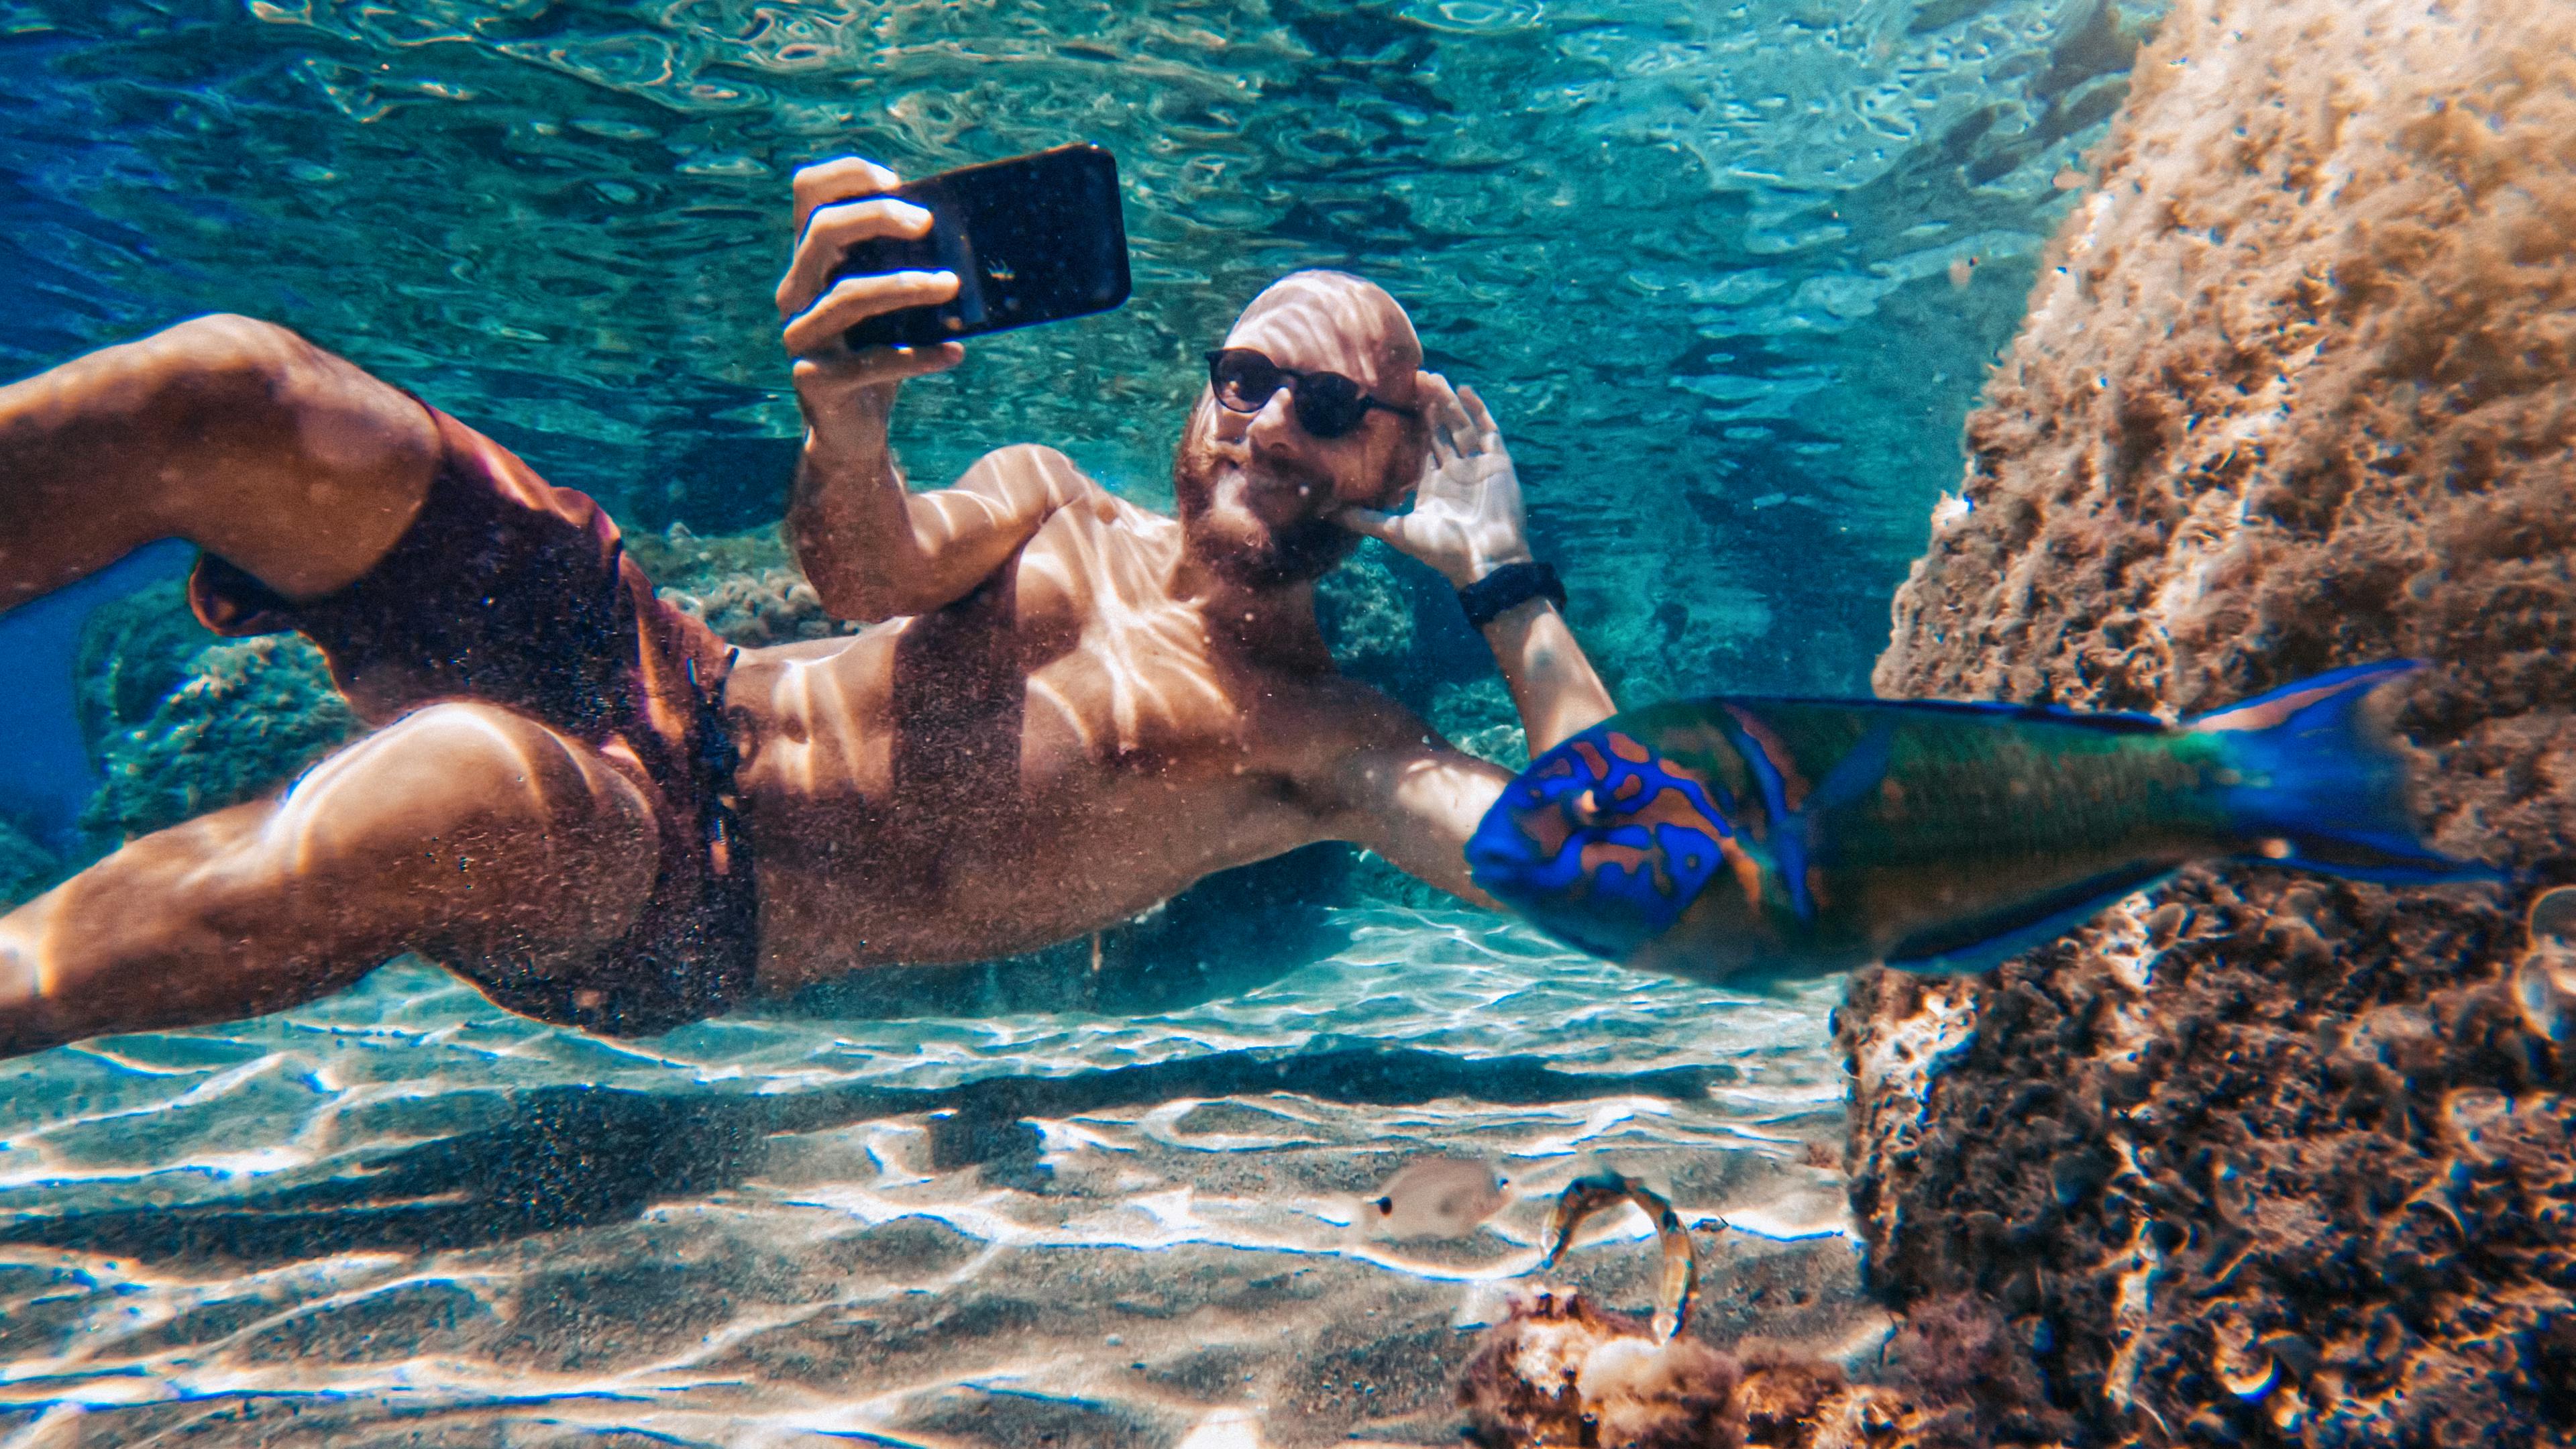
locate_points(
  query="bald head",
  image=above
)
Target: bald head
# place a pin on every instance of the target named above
(1335, 322)
(1259, 495)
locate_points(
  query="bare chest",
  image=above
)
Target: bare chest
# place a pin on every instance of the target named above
(1035, 762)
(1117, 681)
(1078, 793)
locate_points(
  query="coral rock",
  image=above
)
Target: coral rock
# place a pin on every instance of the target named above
(1366, 618)
(180, 730)
(774, 606)
(25, 867)
(2266, 1158)
(743, 586)
(1558, 1373)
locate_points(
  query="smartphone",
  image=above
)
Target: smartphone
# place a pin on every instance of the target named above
(1036, 238)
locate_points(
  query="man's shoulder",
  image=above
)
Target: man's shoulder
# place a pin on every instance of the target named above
(1022, 463)
(1078, 498)
(1015, 457)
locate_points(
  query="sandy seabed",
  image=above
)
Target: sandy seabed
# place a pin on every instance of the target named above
(403, 1216)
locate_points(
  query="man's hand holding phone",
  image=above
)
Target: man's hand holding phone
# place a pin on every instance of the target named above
(985, 248)
(841, 204)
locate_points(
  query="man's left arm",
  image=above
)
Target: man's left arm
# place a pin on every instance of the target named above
(1397, 788)
(1468, 522)
(1386, 782)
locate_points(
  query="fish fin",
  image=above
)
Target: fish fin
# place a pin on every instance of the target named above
(1982, 943)
(2324, 787)
(1857, 773)
(1802, 843)
(1789, 838)
(1798, 841)
(2268, 711)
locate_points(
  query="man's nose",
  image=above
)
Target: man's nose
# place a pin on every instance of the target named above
(1274, 427)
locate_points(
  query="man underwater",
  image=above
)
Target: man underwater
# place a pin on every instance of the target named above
(582, 801)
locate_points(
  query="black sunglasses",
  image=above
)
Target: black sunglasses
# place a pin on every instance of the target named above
(1327, 403)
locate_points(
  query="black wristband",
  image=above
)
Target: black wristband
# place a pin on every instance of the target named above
(1507, 588)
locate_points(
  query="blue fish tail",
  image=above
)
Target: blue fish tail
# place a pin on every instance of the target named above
(2319, 780)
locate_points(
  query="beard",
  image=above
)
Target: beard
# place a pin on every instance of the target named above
(1244, 549)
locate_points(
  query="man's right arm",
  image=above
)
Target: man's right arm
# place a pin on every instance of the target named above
(872, 548)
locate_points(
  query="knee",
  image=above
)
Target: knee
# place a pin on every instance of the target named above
(241, 368)
(225, 344)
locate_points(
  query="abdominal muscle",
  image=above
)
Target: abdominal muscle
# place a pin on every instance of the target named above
(1003, 834)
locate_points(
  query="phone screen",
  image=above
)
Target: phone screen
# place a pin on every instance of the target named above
(1033, 239)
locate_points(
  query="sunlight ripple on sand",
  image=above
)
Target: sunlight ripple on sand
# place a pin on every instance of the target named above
(1153, 1264)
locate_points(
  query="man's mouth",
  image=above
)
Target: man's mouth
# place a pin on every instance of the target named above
(1276, 498)
(1273, 485)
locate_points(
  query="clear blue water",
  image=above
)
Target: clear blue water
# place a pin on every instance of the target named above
(1729, 275)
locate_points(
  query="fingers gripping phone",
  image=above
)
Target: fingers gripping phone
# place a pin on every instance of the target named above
(1036, 238)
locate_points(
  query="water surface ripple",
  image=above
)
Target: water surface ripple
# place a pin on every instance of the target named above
(1697, 255)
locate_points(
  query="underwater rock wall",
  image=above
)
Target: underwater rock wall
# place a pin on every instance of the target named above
(180, 722)
(2265, 1158)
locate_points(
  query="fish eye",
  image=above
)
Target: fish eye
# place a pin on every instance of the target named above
(1384, 1204)
(1586, 807)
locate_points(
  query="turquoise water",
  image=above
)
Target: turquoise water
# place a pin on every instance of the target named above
(1696, 255)
(1729, 276)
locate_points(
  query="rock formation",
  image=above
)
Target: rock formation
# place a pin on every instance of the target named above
(2262, 1158)
(743, 586)
(180, 722)
(25, 866)
(1558, 1373)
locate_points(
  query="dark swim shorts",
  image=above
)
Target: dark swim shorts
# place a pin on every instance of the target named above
(512, 592)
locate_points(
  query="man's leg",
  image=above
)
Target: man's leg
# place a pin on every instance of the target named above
(236, 435)
(458, 829)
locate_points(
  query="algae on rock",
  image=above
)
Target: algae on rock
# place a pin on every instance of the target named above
(2265, 1158)
(1366, 618)
(133, 651)
(744, 586)
(181, 722)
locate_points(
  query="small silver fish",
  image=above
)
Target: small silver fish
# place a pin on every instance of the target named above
(1435, 1197)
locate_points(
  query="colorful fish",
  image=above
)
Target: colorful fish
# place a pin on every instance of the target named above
(1778, 837)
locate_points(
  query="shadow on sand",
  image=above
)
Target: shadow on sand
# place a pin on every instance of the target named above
(574, 1156)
